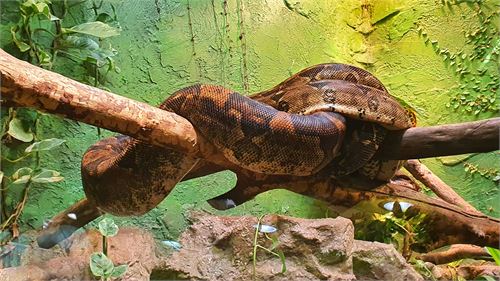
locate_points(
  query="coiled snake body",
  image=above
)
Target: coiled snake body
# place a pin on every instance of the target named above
(329, 115)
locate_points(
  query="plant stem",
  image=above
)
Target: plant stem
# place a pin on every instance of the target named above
(105, 245)
(16, 160)
(255, 245)
(3, 211)
(18, 210)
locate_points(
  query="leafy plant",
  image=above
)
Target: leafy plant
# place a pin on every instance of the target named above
(400, 227)
(40, 34)
(100, 265)
(494, 253)
(420, 267)
(491, 173)
(24, 176)
(267, 230)
(14, 130)
(474, 64)
(41, 37)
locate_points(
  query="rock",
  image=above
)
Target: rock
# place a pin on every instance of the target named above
(221, 248)
(134, 247)
(24, 273)
(378, 261)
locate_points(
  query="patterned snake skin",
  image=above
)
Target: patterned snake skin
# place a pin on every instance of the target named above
(329, 115)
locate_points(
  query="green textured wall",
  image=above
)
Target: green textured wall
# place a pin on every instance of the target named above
(401, 42)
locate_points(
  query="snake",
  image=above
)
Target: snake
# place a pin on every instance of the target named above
(328, 116)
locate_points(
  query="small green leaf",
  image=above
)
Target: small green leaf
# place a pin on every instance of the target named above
(43, 145)
(91, 60)
(495, 253)
(95, 28)
(22, 175)
(23, 47)
(17, 131)
(100, 265)
(42, 8)
(104, 17)
(107, 227)
(47, 176)
(119, 271)
(80, 42)
(486, 277)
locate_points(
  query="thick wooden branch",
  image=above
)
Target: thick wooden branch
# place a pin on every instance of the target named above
(455, 252)
(442, 140)
(439, 187)
(25, 85)
(465, 271)
(445, 223)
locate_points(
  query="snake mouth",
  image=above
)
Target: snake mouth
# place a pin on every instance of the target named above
(221, 203)
(49, 240)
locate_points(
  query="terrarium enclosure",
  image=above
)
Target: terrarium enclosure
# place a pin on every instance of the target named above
(332, 140)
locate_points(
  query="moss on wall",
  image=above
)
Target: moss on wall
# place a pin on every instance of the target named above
(252, 45)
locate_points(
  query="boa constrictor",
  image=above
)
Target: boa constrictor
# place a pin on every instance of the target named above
(329, 115)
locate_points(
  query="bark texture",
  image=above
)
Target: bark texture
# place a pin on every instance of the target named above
(439, 187)
(455, 252)
(25, 85)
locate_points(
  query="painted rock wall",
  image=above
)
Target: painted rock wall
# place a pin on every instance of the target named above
(439, 57)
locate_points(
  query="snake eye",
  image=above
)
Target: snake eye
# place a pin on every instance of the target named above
(283, 105)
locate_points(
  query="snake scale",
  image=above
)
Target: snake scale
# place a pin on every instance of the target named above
(328, 116)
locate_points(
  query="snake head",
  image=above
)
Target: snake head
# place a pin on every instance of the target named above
(412, 116)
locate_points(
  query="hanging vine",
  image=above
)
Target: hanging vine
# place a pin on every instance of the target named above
(219, 39)
(243, 45)
(226, 30)
(190, 23)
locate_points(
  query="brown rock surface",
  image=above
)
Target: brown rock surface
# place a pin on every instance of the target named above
(221, 248)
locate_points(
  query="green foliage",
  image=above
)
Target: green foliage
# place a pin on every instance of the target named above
(100, 265)
(41, 35)
(494, 253)
(17, 131)
(47, 176)
(491, 173)
(95, 28)
(271, 250)
(44, 145)
(477, 69)
(404, 229)
(107, 227)
(419, 266)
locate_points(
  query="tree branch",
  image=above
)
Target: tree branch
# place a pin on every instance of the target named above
(442, 140)
(439, 187)
(455, 252)
(25, 85)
